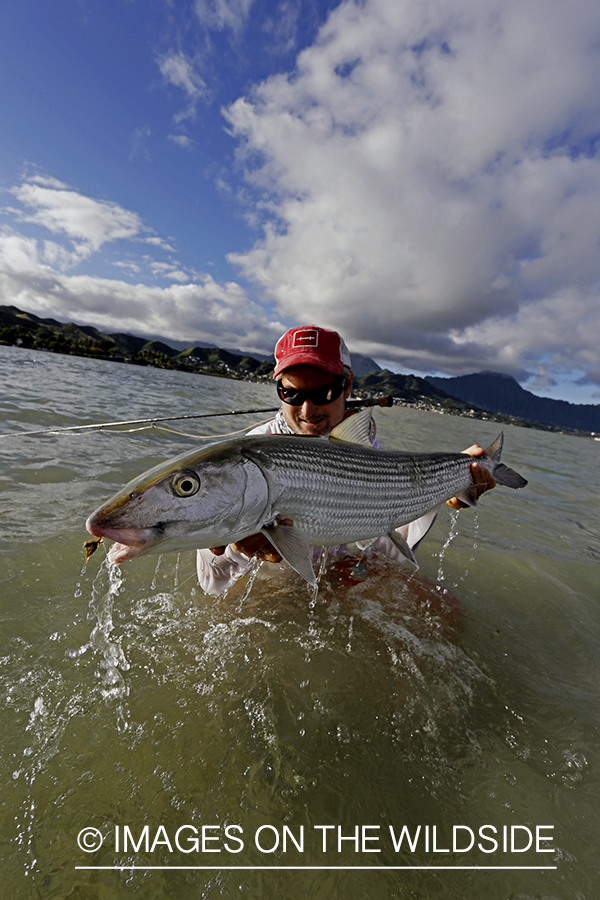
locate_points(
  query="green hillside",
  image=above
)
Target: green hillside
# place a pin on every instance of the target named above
(18, 328)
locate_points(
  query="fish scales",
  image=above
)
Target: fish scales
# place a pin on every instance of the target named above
(333, 490)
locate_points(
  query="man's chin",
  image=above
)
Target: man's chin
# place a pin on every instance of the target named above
(316, 428)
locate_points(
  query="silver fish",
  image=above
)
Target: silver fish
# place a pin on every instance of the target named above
(336, 490)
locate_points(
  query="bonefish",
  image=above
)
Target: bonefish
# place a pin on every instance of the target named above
(336, 490)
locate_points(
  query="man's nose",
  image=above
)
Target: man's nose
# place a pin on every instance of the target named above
(308, 408)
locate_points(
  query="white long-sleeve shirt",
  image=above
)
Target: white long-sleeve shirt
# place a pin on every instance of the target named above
(217, 574)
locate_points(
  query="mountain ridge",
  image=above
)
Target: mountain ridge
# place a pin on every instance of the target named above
(497, 392)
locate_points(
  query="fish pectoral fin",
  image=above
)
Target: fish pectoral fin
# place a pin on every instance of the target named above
(397, 539)
(364, 545)
(291, 543)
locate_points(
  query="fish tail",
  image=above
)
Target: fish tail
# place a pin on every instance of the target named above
(508, 477)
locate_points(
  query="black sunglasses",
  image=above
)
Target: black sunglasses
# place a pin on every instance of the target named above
(319, 396)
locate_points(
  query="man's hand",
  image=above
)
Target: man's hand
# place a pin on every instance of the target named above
(482, 479)
(256, 546)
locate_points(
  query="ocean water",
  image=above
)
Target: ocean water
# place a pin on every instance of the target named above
(395, 736)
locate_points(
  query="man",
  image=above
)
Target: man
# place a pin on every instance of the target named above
(314, 377)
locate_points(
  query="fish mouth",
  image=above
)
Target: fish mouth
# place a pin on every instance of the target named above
(129, 542)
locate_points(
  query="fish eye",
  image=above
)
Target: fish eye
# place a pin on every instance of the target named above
(185, 483)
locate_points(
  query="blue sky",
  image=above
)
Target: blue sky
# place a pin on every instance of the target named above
(422, 175)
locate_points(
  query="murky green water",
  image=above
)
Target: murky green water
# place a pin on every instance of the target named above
(134, 705)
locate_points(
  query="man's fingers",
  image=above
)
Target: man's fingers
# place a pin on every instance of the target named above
(474, 450)
(253, 545)
(482, 479)
(259, 546)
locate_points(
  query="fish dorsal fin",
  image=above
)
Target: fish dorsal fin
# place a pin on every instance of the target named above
(292, 544)
(355, 429)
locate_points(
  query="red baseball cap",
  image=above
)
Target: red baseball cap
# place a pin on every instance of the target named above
(311, 345)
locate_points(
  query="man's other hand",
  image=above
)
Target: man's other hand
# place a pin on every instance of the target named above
(482, 479)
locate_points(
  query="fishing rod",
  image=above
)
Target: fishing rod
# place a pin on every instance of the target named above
(66, 429)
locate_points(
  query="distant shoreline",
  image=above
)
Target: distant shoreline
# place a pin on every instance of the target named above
(388, 386)
(22, 329)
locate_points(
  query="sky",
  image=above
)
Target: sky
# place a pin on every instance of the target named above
(421, 175)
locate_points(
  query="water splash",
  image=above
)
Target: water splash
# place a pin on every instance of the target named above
(158, 562)
(113, 662)
(322, 566)
(454, 514)
(475, 520)
(25, 824)
(176, 575)
(254, 570)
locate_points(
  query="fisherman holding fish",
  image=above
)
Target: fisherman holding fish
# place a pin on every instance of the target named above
(297, 493)
(314, 376)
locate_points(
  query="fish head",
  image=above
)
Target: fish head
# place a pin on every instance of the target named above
(205, 498)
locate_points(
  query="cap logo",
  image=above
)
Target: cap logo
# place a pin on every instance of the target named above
(309, 338)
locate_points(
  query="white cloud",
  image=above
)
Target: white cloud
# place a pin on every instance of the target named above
(156, 241)
(200, 310)
(88, 223)
(179, 69)
(224, 15)
(181, 140)
(427, 178)
(36, 274)
(283, 27)
(59, 257)
(172, 271)
(128, 266)
(429, 183)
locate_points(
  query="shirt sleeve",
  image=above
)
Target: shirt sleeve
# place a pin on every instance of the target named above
(217, 574)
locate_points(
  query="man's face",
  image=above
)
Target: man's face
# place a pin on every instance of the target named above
(308, 418)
